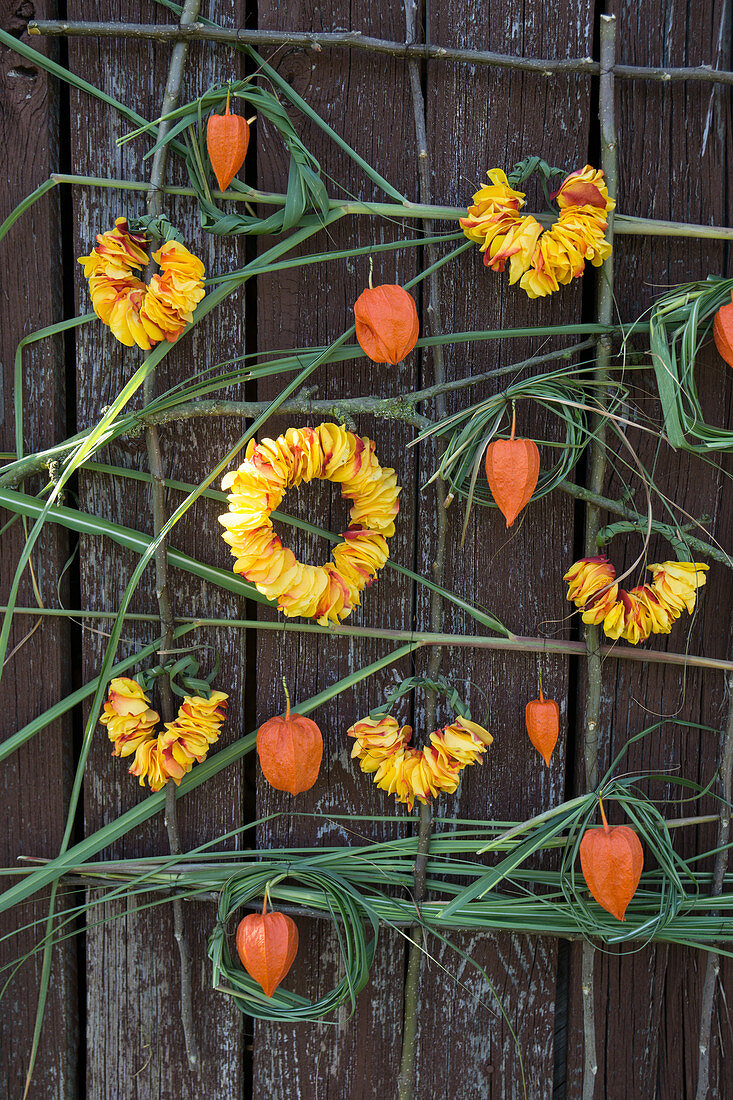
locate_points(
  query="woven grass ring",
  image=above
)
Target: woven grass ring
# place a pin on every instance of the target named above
(355, 922)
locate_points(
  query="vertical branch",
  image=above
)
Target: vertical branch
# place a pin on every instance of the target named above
(160, 516)
(591, 721)
(712, 966)
(416, 949)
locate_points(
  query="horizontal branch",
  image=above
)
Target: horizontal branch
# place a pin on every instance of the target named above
(516, 643)
(400, 408)
(354, 40)
(619, 509)
(624, 224)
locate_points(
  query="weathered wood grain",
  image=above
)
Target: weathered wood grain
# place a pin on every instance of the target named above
(368, 102)
(672, 160)
(35, 781)
(135, 1041)
(495, 119)
(673, 143)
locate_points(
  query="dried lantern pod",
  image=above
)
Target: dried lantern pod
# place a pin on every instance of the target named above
(723, 332)
(611, 859)
(267, 944)
(227, 140)
(542, 718)
(512, 470)
(387, 325)
(290, 748)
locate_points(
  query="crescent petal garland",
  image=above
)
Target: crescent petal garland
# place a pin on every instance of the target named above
(138, 313)
(540, 260)
(160, 755)
(327, 593)
(382, 746)
(644, 610)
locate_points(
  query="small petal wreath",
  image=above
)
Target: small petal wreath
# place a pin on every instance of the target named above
(327, 593)
(541, 260)
(169, 754)
(644, 610)
(382, 747)
(135, 312)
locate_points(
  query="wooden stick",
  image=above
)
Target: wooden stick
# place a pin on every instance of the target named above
(162, 589)
(594, 659)
(238, 36)
(712, 965)
(625, 224)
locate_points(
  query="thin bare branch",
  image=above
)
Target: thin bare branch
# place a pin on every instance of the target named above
(156, 464)
(712, 965)
(239, 36)
(594, 660)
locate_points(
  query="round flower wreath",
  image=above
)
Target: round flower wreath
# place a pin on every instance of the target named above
(540, 260)
(382, 747)
(324, 592)
(138, 313)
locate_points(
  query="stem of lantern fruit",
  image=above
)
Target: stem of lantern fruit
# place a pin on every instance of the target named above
(287, 700)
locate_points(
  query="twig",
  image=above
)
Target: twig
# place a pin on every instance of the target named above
(594, 660)
(712, 965)
(391, 408)
(356, 40)
(162, 590)
(400, 408)
(416, 949)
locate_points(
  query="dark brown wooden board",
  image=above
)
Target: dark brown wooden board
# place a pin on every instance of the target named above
(672, 153)
(495, 119)
(134, 1036)
(449, 93)
(35, 781)
(367, 101)
(673, 147)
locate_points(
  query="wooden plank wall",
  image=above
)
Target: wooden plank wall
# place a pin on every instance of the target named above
(134, 1046)
(35, 781)
(674, 143)
(314, 306)
(672, 165)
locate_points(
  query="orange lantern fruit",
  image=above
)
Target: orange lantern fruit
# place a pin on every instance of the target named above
(612, 859)
(290, 750)
(512, 470)
(387, 325)
(542, 718)
(227, 140)
(267, 944)
(723, 332)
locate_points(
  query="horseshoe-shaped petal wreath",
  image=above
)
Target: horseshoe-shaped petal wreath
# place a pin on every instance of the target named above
(541, 259)
(138, 313)
(324, 592)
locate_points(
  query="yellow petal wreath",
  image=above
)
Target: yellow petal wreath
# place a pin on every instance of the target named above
(327, 592)
(644, 610)
(383, 748)
(540, 259)
(169, 754)
(136, 313)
